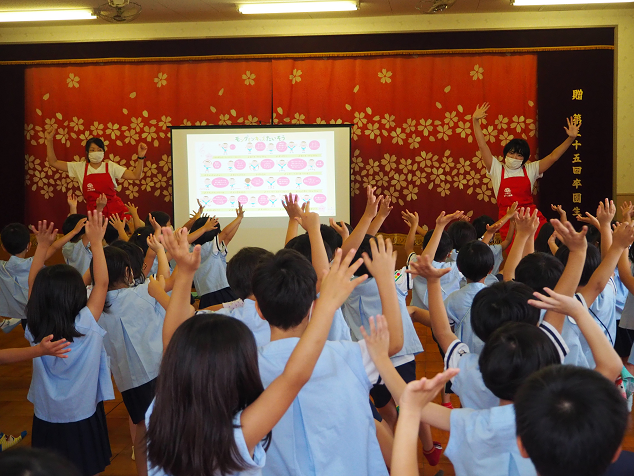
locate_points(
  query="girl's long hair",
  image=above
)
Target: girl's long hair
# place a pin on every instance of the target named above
(208, 374)
(57, 296)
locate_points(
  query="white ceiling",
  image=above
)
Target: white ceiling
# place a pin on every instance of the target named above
(175, 11)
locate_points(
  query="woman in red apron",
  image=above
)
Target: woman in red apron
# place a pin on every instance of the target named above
(95, 176)
(514, 179)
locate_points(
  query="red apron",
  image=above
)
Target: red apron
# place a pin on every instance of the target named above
(516, 189)
(96, 184)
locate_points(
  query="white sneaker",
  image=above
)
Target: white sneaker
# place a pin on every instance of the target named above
(7, 325)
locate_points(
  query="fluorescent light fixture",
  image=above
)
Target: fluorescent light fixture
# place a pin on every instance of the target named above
(46, 15)
(545, 3)
(298, 7)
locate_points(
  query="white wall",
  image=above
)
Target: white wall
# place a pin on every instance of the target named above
(623, 19)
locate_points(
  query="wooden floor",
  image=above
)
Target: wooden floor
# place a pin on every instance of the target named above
(16, 413)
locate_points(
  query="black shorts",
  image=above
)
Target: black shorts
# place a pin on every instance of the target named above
(85, 443)
(377, 416)
(624, 341)
(138, 399)
(379, 392)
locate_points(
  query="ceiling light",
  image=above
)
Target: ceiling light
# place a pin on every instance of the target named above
(545, 3)
(46, 15)
(298, 7)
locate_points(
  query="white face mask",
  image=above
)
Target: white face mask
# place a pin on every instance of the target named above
(512, 163)
(95, 157)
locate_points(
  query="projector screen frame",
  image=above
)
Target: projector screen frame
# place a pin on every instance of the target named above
(256, 222)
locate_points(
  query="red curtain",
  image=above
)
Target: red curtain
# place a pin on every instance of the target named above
(412, 136)
(126, 105)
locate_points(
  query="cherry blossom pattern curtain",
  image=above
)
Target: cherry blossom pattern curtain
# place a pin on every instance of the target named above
(126, 104)
(412, 135)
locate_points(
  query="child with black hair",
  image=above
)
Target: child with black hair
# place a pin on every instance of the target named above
(35, 462)
(515, 178)
(77, 251)
(211, 277)
(475, 262)
(285, 291)
(490, 231)
(14, 276)
(135, 255)
(209, 392)
(570, 421)
(483, 441)
(461, 232)
(134, 344)
(68, 394)
(438, 246)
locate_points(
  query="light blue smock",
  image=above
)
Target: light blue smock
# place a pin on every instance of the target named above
(483, 442)
(328, 429)
(458, 305)
(68, 390)
(449, 283)
(77, 255)
(211, 276)
(14, 286)
(133, 321)
(256, 463)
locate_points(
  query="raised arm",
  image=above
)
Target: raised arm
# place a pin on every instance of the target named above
(437, 312)
(95, 230)
(210, 224)
(381, 265)
(45, 235)
(196, 214)
(46, 346)
(155, 245)
(622, 239)
(340, 228)
(384, 212)
(358, 234)
(608, 363)
(293, 210)
(563, 217)
(497, 226)
(529, 247)
(134, 213)
(51, 158)
(523, 231)
(625, 272)
(58, 244)
(137, 172)
(479, 114)
(605, 215)
(318, 255)
(229, 231)
(411, 219)
(119, 225)
(569, 279)
(572, 130)
(627, 209)
(441, 222)
(71, 199)
(261, 416)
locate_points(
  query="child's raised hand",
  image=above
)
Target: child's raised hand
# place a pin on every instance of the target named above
(155, 225)
(71, 199)
(423, 267)
(510, 211)
(59, 348)
(134, 211)
(240, 211)
(385, 208)
(383, 260)
(626, 211)
(589, 219)
(372, 202)
(444, 219)
(118, 223)
(50, 133)
(569, 236)
(211, 224)
(560, 211)
(419, 393)
(95, 227)
(157, 286)
(101, 202)
(410, 218)
(154, 243)
(177, 246)
(623, 235)
(567, 305)
(480, 112)
(497, 226)
(309, 221)
(337, 283)
(605, 212)
(80, 224)
(573, 126)
(524, 221)
(378, 341)
(340, 228)
(291, 205)
(45, 233)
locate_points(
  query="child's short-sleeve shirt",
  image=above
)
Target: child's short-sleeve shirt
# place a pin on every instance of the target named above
(329, 428)
(77, 169)
(449, 283)
(211, 276)
(497, 168)
(134, 335)
(255, 463)
(483, 442)
(468, 384)
(77, 255)
(14, 286)
(498, 257)
(458, 305)
(250, 317)
(68, 390)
